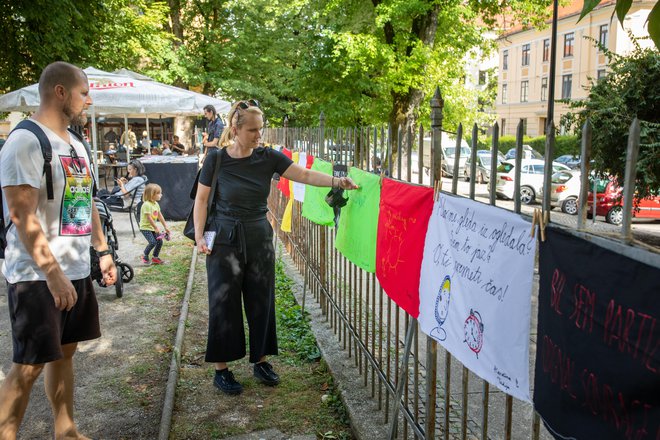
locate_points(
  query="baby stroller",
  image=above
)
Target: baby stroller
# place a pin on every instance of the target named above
(124, 270)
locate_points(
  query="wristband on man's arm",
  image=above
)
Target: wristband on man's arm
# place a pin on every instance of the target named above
(103, 253)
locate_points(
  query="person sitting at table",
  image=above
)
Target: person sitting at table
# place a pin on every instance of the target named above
(177, 146)
(166, 151)
(155, 151)
(120, 196)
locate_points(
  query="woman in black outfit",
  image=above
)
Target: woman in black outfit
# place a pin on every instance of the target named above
(241, 266)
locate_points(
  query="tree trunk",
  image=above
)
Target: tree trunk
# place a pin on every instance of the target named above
(405, 106)
(175, 21)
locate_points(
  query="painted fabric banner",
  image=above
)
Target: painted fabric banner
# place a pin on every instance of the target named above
(288, 210)
(283, 184)
(598, 357)
(315, 208)
(402, 222)
(304, 161)
(358, 223)
(475, 289)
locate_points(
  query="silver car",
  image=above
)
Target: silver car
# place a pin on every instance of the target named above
(482, 174)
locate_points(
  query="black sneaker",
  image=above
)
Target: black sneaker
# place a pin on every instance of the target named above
(264, 372)
(225, 382)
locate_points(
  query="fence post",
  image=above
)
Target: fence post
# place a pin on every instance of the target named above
(457, 159)
(473, 159)
(437, 104)
(493, 162)
(517, 170)
(547, 175)
(286, 131)
(632, 154)
(585, 168)
(322, 135)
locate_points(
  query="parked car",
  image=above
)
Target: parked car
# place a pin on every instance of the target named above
(570, 160)
(448, 144)
(531, 179)
(565, 190)
(528, 153)
(609, 203)
(482, 174)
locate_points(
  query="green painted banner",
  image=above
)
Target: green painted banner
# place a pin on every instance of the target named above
(358, 222)
(315, 207)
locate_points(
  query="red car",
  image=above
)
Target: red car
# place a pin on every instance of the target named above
(609, 203)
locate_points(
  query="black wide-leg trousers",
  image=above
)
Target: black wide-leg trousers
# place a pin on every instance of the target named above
(241, 270)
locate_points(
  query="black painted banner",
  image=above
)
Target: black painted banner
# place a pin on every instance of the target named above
(597, 355)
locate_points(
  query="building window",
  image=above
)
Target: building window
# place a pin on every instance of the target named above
(602, 36)
(566, 86)
(483, 76)
(505, 60)
(503, 127)
(524, 91)
(546, 49)
(542, 127)
(524, 126)
(525, 54)
(602, 73)
(544, 88)
(568, 44)
(504, 93)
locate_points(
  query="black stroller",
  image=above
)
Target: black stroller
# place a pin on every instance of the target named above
(124, 270)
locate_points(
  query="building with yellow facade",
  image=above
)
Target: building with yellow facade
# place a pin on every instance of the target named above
(524, 62)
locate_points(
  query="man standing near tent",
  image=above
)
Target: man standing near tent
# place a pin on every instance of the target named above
(214, 128)
(128, 139)
(52, 221)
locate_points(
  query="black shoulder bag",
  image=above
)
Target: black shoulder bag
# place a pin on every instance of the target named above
(189, 228)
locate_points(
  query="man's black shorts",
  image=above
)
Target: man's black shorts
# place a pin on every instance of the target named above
(39, 329)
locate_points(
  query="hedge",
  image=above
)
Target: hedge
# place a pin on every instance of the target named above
(567, 144)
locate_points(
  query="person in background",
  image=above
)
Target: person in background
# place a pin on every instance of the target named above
(177, 146)
(128, 139)
(241, 264)
(145, 142)
(149, 214)
(166, 151)
(211, 136)
(120, 196)
(51, 299)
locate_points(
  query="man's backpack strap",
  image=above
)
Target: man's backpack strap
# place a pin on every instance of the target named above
(46, 151)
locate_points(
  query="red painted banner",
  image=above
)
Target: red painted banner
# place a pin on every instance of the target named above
(402, 223)
(283, 185)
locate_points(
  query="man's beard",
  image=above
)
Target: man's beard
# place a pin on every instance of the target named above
(74, 119)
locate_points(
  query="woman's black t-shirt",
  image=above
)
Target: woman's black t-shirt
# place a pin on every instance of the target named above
(243, 184)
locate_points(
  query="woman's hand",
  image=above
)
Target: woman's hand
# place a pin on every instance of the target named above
(201, 246)
(346, 183)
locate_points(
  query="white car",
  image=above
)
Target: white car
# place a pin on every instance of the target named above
(566, 190)
(448, 143)
(531, 179)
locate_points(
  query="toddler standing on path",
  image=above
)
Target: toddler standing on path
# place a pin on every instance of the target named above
(149, 213)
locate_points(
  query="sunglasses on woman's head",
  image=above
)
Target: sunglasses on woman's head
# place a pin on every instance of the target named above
(249, 103)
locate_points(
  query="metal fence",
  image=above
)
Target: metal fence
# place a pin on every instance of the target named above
(421, 390)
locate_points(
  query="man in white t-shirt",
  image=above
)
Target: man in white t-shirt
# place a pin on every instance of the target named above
(47, 263)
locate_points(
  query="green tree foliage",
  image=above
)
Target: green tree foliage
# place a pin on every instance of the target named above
(631, 89)
(105, 34)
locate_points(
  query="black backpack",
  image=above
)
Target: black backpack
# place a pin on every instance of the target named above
(47, 152)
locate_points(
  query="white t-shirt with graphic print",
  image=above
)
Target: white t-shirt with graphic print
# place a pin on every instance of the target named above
(66, 220)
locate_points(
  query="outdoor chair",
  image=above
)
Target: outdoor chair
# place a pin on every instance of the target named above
(133, 208)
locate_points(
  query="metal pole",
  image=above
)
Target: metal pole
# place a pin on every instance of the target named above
(585, 154)
(437, 104)
(549, 142)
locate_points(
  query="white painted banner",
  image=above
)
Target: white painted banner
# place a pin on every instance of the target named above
(299, 188)
(475, 289)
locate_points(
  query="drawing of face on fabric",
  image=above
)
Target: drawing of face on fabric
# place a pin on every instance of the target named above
(474, 332)
(442, 309)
